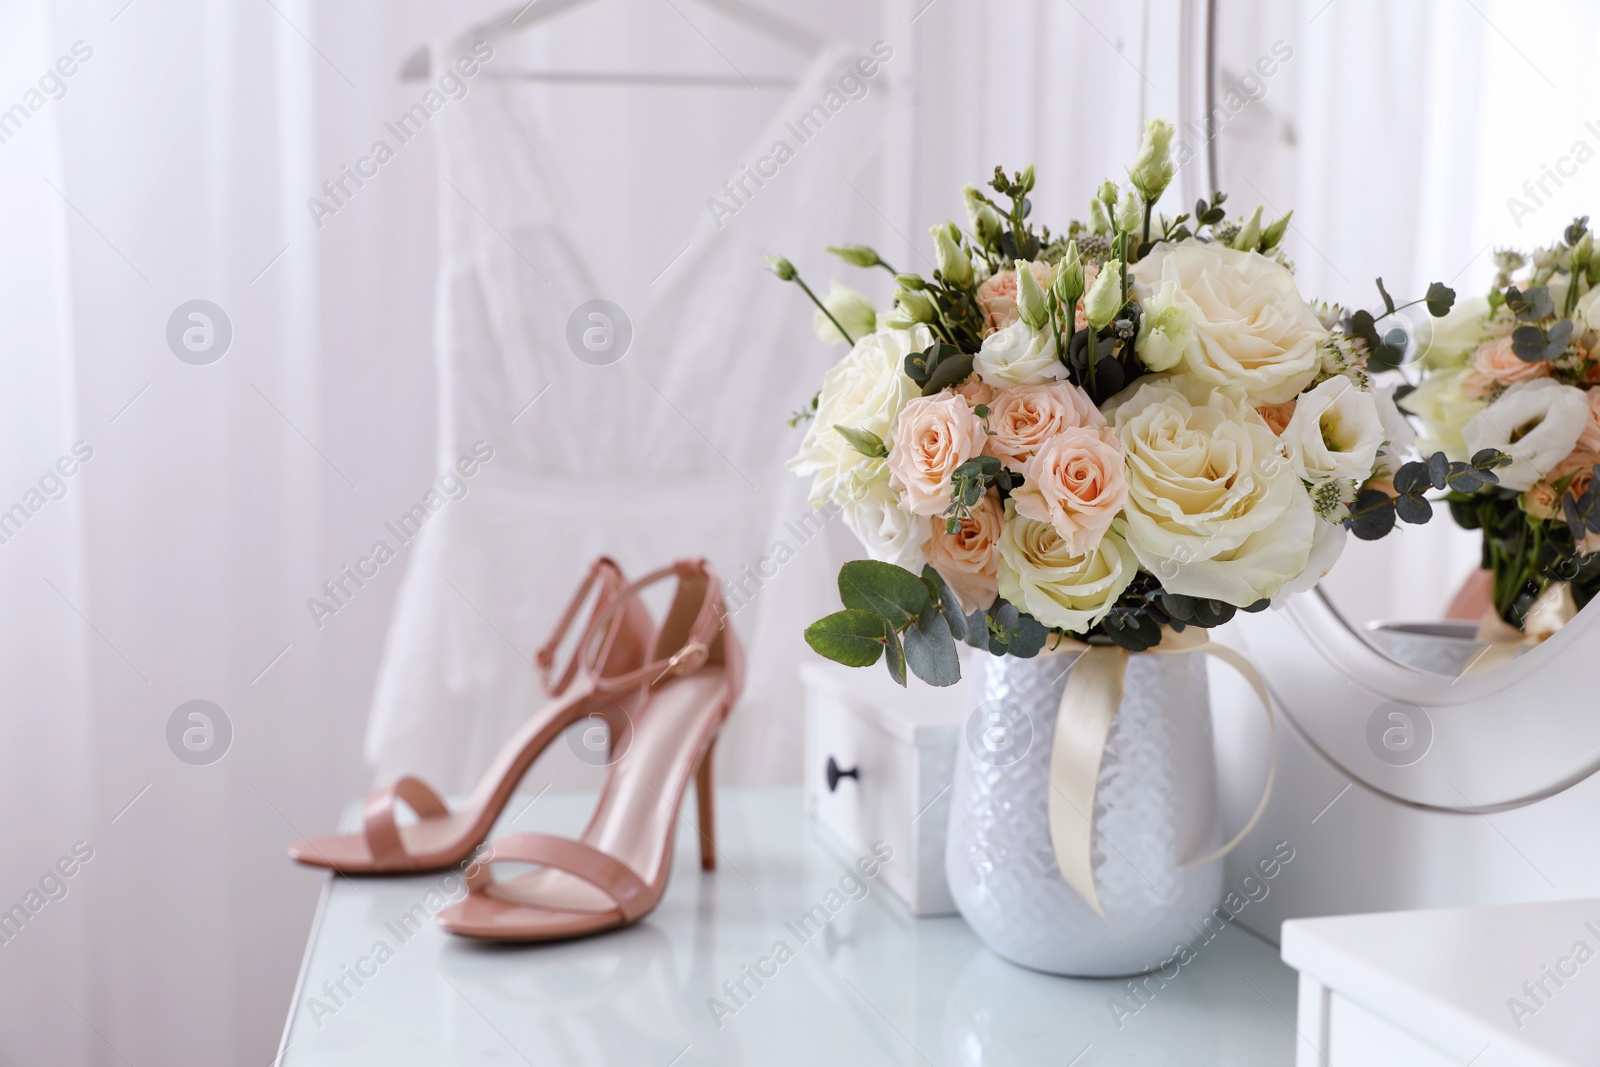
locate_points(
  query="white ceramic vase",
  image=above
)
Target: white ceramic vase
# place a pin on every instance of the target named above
(1155, 809)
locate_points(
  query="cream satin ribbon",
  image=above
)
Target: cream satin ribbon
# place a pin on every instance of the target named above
(1083, 723)
(1553, 610)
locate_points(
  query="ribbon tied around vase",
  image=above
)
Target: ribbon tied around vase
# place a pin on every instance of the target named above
(1083, 725)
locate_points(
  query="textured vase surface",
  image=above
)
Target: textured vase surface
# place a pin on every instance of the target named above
(1155, 809)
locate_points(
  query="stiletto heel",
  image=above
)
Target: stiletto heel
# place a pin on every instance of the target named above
(703, 801)
(614, 641)
(616, 872)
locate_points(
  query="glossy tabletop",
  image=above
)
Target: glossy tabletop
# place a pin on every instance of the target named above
(728, 971)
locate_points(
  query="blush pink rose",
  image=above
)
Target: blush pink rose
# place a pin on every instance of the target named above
(969, 559)
(1277, 416)
(997, 296)
(933, 436)
(1494, 366)
(1023, 418)
(1075, 482)
(1590, 437)
(1542, 501)
(976, 392)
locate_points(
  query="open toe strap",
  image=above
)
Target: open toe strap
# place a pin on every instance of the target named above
(377, 816)
(605, 872)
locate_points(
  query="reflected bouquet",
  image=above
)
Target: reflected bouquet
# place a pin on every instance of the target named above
(1108, 433)
(1518, 371)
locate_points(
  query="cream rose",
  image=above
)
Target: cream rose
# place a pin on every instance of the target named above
(1018, 354)
(1335, 432)
(1042, 576)
(1252, 329)
(967, 559)
(1536, 423)
(933, 436)
(1214, 507)
(1024, 418)
(1075, 482)
(1447, 342)
(997, 296)
(1445, 411)
(863, 391)
(874, 514)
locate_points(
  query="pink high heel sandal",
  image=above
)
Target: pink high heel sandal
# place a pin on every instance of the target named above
(615, 873)
(616, 637)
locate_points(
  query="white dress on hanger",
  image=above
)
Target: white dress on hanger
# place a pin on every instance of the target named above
(676, 450)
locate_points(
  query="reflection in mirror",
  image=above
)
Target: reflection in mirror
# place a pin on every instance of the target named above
(1398, 167)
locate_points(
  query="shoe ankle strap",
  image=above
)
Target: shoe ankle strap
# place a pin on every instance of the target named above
(695, 652)
(605, 574)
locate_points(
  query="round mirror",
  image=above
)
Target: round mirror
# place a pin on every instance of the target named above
(1400, 167)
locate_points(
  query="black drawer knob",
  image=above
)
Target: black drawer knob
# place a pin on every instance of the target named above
(834, 774)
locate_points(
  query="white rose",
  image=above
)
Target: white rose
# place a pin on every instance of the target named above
(863, 391)
(1447, 342)
(873, 513)
(1166, 330)
(854, 312)
(1335, 432)
(1039, 574)
(1444, 410)
(1587, 310)
(1214, 508)
(1536, 423)
(1398, 436)
(1018, 355)
(1253, 330)
(1327, 544)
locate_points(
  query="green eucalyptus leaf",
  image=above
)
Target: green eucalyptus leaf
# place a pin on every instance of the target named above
(852, 637)
(930, 649)
(895, 658)
(1441, 298)
(945, 600)
(893, 592)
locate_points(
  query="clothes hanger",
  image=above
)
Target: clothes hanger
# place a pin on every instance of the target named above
(515, 20)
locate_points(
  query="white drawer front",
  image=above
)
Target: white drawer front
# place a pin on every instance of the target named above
(887, 800)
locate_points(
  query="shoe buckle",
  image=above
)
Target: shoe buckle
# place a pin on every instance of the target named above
(695, 649)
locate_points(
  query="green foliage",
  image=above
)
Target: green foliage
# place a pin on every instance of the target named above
(852, 637)
(912, 622)
(892, 592)
(1373, 512)
(938, 367)
(1136, 619)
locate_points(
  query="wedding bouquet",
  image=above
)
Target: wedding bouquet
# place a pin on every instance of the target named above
(1122, 429)
(1517, 371)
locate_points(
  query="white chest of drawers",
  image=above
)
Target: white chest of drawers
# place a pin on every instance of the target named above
(896, 749)
(1515, 985)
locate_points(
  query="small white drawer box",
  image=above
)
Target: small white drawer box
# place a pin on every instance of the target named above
(892, 753)
(1512, 985)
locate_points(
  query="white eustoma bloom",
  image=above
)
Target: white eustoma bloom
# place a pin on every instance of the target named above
(1327, 544)
(1536, 423)
(1254, 331)
(1214, 507)
(1019, 355)
(863, 391)
(889, 533)
(1166, 330)
(1335, 432)
(854, 312)
(1399, 438)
